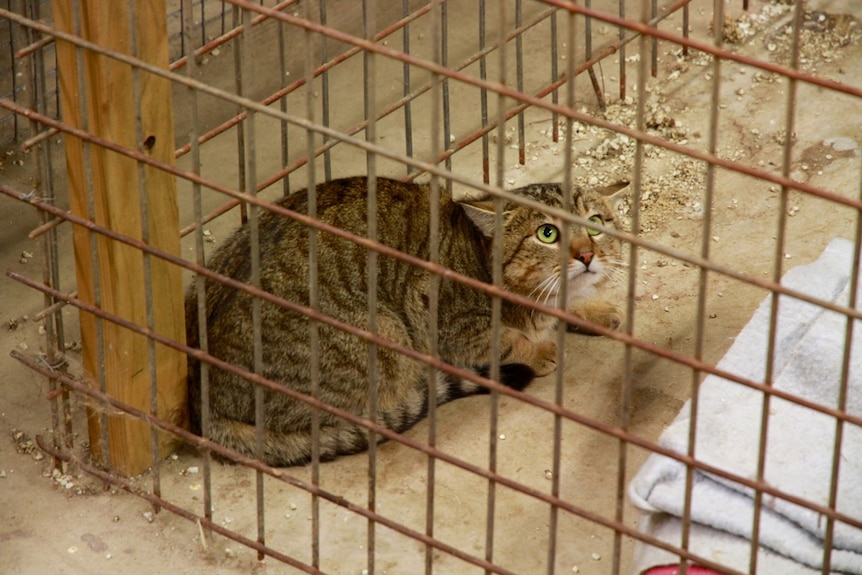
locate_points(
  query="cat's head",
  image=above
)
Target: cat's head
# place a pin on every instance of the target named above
(532, 240)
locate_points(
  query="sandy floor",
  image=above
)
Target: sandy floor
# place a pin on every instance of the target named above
(59, 525)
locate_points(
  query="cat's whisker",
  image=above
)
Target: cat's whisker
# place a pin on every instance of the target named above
(549, 286)
(615, 274)
(541, 287)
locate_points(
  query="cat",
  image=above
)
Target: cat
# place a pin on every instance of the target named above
(531, 262)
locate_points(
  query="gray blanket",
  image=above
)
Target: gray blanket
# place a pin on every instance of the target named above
(800, 446)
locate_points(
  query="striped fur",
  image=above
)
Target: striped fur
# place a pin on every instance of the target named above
(464, 314)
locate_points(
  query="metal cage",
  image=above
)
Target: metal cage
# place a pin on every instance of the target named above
(734, 124)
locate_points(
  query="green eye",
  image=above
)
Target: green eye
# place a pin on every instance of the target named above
(548, 234)
(598, 220)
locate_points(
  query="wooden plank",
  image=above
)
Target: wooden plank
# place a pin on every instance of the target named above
(104, 105)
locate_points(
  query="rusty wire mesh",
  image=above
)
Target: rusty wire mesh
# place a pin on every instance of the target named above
(414, 70)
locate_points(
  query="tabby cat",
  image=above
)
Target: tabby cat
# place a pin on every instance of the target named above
(531, 268)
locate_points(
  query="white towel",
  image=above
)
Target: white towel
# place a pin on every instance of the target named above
(800, 445)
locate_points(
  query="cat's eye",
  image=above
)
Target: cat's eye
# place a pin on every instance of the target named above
(597, 220)
(548, 234)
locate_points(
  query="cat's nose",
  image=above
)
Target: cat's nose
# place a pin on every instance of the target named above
(585, 258)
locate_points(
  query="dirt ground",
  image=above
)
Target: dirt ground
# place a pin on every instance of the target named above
(54, 523)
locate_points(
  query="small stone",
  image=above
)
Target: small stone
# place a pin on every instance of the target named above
(596, 556)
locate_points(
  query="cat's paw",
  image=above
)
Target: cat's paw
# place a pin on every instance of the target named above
(600, 312)
(545, 361)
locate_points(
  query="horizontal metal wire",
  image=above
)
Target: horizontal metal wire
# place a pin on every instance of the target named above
(434, 169)
(276, 96)
(712, 49)
(464, 78)
(526, 101)
(155, 500)
(435, 362)
(280, 474)
(227, 36)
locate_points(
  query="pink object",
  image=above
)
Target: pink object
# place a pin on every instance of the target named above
(674, 570)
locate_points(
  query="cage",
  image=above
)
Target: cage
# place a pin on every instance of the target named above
(713, 431)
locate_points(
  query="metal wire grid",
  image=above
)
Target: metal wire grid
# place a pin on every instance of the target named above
(322, 138)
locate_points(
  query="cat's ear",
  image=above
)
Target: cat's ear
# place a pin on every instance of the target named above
(482, 213)
(615, 193)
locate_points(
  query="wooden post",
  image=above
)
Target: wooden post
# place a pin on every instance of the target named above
(104, 105)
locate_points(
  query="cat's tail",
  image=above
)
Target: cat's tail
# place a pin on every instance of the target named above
(515, 375)
(284, 449)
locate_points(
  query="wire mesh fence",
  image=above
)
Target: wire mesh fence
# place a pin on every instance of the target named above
(730, 130)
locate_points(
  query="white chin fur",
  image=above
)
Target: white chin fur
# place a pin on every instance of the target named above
(581, 282)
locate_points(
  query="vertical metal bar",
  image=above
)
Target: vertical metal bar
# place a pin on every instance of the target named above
(559, 379)
(842, 392)
(483, 97)
(519, 73)
(434, 291)
(787, 158)
(93, 239)
(204, 23)
(240, 90)
(628, 356)
(222, 14)
(700, 327)
(444, 61)
(200, 259)
(249, 160)
(324, 90)
(313, 326)
(14, 76)
(34, 70)
(555, 96)
(497, 276)
(685, 25)
(147, 263)
(369, 8)
(408, 114)
(182, 9)
(653, 39)
(282, 103)
(622, 52)
(588, 53)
